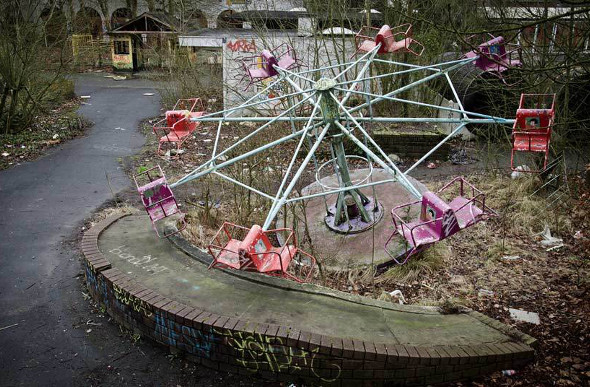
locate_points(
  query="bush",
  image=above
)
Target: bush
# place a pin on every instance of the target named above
(59, 92)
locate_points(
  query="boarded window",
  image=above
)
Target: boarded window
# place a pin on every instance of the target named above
(121, 47)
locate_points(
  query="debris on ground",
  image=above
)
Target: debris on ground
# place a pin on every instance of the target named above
(397, 294)
(485, 292)
(548, 239)
(460, 157)
(524, 316)
(511, 258)
(395, 158)
(520, 171)
(557, 247)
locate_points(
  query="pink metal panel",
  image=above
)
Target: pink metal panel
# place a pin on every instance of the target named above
(435, 209)
(417, 233)
(466, 211)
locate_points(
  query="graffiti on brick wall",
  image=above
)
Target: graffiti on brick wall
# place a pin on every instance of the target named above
(242, 45)
(258, 352)
(125, 298)
(97, 284)
(184, 337)
(146, 262)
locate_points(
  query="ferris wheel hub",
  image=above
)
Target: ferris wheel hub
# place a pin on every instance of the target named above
(324, 84)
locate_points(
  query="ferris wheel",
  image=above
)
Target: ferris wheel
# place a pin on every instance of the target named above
(324, 108)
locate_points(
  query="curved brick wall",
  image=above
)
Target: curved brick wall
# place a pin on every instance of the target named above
(281, 353)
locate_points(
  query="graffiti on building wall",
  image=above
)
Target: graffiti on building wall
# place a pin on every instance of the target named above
(242, 45)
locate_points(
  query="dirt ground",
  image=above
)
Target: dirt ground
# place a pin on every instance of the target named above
(497, 265)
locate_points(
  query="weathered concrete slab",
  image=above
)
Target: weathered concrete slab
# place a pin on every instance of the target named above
(131, 246)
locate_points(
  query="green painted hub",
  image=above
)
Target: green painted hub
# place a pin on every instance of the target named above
(325, 84)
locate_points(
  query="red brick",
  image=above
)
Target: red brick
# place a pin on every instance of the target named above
(362, 374)
(314, 342)
(435, 357)
(373, 365)
(304, 339)
(241, 325)
(370, 351)
(325, 345)
(413, 356)
(397, 354)
(162, 303)
(337, 347)
(348, 364)
(473, 356)
(347, 348)
(219, 323)
(381, 352)
(198, 321)
(293, 337)
(230, 323)
(359, 349)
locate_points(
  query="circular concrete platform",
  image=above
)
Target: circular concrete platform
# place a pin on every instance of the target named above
(250, 323)
(344, 251)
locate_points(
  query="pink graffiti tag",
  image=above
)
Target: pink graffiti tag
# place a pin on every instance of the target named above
(242, 45)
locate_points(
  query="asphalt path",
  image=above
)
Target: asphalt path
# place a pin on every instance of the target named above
(44, 202)
(49, 334)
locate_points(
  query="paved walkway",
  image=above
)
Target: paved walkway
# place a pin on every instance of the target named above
(42, 203)
(131, 246)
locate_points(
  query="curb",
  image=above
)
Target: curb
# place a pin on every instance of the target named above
(285, 353)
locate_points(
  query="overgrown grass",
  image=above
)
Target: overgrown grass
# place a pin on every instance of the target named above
(424, 263)
(521, 212)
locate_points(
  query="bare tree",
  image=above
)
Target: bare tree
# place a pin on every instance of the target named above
(28, 66)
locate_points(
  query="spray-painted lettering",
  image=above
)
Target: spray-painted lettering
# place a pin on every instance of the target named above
(242, 45)
(146, 262)
(257, 350)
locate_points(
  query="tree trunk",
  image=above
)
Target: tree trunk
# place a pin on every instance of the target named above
(11, 111)
(3, 102)
(104, 8)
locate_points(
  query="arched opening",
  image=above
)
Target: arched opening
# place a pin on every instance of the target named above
(88, 21)
(195, 19)
(120, 16)
(54, 25)
(226, 20)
